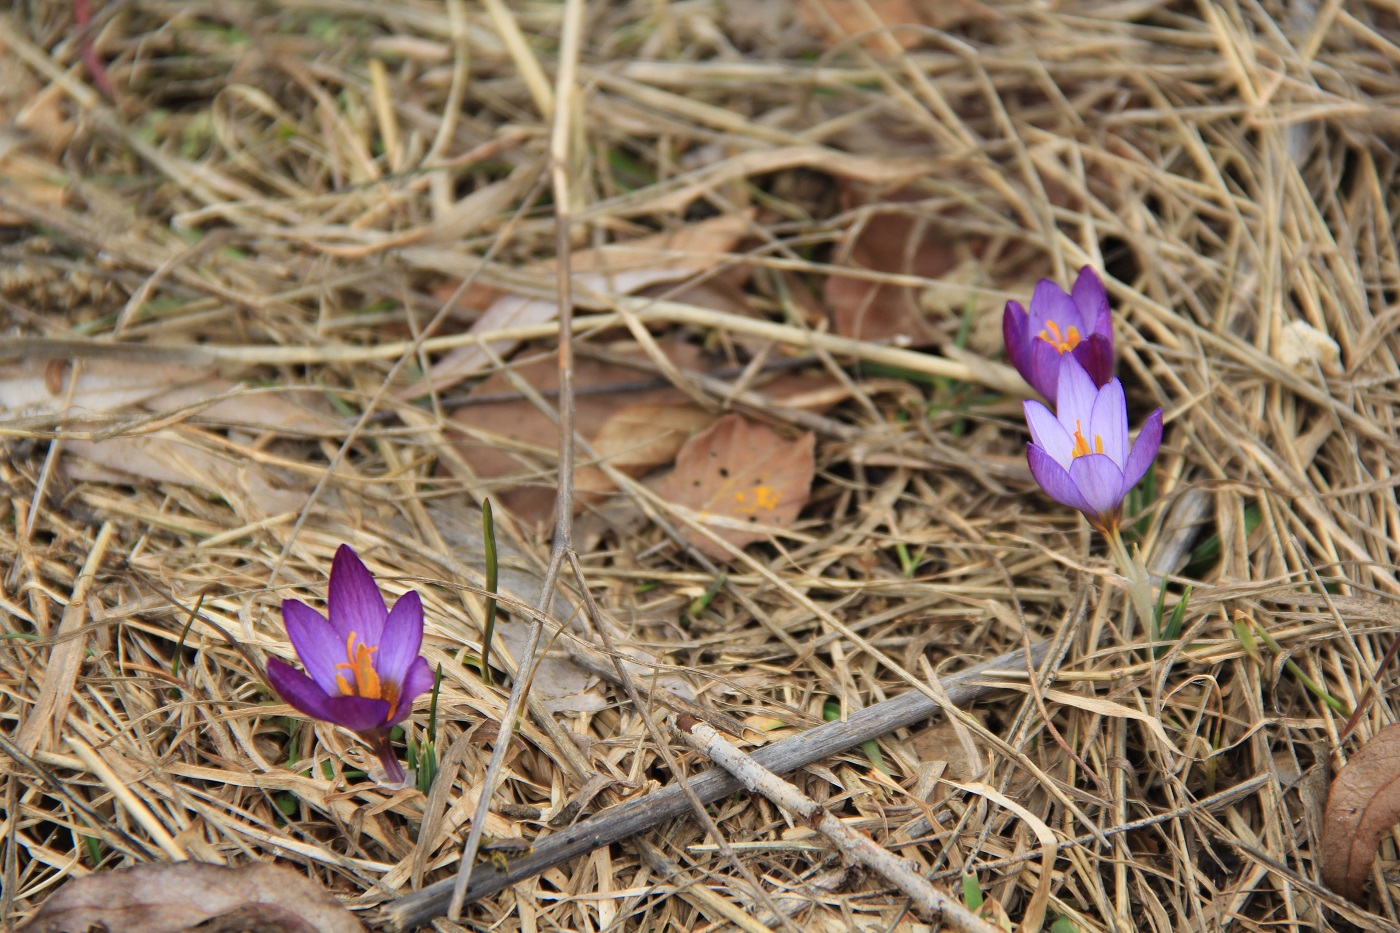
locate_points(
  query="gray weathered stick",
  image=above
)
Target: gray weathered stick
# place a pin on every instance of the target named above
(855, 846)
(643, 813)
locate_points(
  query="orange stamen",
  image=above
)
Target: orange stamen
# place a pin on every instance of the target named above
(361, 668)
(366, 682)
(1081, 446)
(1063, 343)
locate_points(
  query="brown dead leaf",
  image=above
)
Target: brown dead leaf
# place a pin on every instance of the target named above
(622, 268)
(951, 743)
(169, 897)
(172, 456)
(42, 387)
(894, 238)
(743, 479)
(839, 20)
(471, 304)
(1362, 806)
(637, 439)
(603, 390)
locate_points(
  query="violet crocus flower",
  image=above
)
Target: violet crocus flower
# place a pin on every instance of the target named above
(363, 663)
(1058, 326)
(1081, 457)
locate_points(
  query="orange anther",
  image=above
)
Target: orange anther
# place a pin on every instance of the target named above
(1081, 446)
(1062, 343)
(361, 667)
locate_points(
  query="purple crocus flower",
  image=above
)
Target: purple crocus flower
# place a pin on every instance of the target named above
(1059, 325)
(1082, 458)
(364, 666)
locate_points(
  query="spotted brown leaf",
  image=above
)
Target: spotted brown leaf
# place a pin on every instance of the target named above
(742, 480)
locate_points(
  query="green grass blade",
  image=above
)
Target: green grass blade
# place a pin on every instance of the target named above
(488, 532)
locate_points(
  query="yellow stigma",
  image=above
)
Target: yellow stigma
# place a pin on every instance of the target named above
(1081, 446)
(1065, 343)
(365, 678)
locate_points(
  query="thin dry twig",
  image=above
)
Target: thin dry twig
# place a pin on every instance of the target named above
(559, 153)
(639, 814)
(697, 806)
(854, 846)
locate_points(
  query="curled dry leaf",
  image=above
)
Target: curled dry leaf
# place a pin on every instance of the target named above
(838, 20)
(743, 479)
(895, 237)
(501, 427)
(169, 897)
(1362, 806)
(637, 439)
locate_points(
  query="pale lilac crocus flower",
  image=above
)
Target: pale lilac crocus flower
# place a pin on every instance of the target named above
(1061, 326)
(363, 663)
(1081, 456)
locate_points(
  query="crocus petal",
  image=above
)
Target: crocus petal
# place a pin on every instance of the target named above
(1089, 297)
(401, 638)
(317, 644)
(1075, 396)
(418, 681)
(1048, 433)
(298, 690)
(1096, 356)
(1044, 371)
(1014, 321)
(1103, 324)
(1099, 481)
(354, 601)
(359, 714)
(1144, 450)
(1109, 422)
(1054, 479)
(302, 693)
(1049, 302)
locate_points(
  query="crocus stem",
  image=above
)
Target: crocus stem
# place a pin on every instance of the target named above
(1139, 583)
(393, 771)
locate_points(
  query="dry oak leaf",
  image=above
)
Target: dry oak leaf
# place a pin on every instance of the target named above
(1362, 806)
(743, 480)
(637, 439)
(898, 236)
(838, 20)
(500, 432)
(170, 897)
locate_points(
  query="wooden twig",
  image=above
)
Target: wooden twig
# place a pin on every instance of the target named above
(564, 506)
(643, 813)
(854, 846)
(697, 806)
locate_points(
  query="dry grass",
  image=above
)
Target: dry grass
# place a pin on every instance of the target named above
(277, 196)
